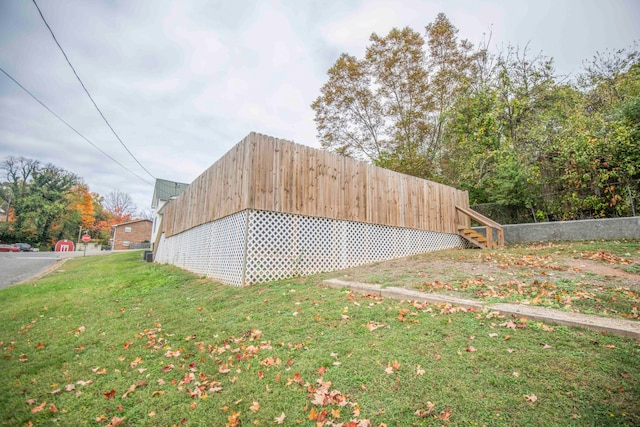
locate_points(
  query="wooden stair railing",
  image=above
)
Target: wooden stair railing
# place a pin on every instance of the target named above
(486, 241)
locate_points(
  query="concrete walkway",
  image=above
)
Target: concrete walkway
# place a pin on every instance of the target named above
(626, 328)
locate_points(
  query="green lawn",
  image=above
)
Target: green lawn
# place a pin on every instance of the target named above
(112, 340)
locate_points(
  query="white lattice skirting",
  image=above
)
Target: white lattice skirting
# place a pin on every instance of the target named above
(251, 246)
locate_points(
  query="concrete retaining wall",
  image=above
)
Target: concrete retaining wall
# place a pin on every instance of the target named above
(589, 229)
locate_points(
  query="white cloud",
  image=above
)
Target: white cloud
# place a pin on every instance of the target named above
(182, 82)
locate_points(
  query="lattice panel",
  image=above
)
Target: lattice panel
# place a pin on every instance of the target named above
(215, 250)
(279, 246)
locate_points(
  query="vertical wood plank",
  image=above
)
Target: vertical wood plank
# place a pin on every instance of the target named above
(267, 173)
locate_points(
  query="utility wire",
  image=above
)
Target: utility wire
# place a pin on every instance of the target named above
(87, 92)
(72, 128)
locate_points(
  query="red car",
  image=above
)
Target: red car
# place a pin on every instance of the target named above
(9, 248)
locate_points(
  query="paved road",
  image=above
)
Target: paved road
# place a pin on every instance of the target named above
(16, 267)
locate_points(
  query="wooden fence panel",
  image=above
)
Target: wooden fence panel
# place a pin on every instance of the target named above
(270, 174)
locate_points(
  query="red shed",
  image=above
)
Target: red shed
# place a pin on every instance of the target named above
(65, 246)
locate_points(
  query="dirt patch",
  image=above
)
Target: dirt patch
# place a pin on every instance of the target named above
(588, 278)
(607, 272)
(461, 265)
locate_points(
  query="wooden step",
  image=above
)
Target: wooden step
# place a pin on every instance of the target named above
(474, 237)
(474, 234)
(485, 242)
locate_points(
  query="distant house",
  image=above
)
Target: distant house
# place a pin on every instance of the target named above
(131, 235)
(163, 191)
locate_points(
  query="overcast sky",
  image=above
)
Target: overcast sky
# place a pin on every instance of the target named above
(181, 82)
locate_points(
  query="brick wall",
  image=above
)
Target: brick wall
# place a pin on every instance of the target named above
(126, 234)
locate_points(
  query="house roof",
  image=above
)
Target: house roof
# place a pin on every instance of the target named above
(165, 190)
(131, 222)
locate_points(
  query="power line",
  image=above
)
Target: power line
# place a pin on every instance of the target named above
(72, 128)
(87, 92)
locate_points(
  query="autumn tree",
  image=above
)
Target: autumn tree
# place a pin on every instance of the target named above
(348, 116)
(502, 125)
(452, 68)
(391, 107)
(396, 64)
(119, 205)
(39, 197)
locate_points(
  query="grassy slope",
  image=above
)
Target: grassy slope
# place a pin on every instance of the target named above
(199, 353)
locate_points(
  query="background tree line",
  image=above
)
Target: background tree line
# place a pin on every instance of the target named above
(43, 203)
(502, 125)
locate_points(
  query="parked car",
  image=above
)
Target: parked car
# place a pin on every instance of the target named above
(9, 248)
(24, 247)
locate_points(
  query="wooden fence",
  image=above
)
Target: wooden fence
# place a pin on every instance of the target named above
(270, 174)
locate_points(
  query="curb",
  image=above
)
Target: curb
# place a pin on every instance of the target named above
(53, 267)
(621, 327)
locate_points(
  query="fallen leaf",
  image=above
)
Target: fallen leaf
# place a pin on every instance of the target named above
(255, 407)
(151, 414)
(419, 370)
(424, 413)
(531, 398)
(234, 419)
(38, 408)
(445, 415)
(115, 422)
(136, 362)
(110, 394)
(471, 349)
(510, 324)
(280, 419)
(53, 408)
